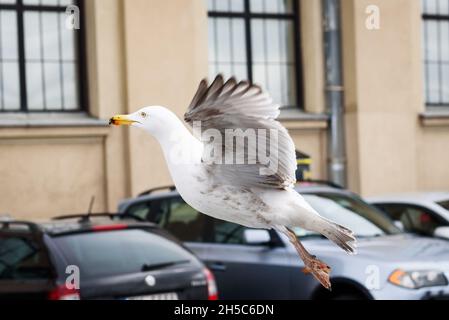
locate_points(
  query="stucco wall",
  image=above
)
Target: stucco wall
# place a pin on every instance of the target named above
(166, 57)
(433, 157)
(46, 172)
(383, 82)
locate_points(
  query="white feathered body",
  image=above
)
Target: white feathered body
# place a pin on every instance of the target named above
(254, 207)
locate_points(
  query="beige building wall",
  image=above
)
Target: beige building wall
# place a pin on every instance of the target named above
(310, 137)
(433, 154)
(166, 57)
(389, 149)
(48, 171)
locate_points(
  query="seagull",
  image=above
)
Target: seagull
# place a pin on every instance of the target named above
(253, 193)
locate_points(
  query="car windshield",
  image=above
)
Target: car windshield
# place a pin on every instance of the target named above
(120, 252)
(351, 212)
(444, 204)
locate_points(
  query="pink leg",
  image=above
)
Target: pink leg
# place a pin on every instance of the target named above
(316, 267)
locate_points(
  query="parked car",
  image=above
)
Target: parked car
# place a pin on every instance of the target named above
(425, 213)
(116, 259)
(261, 264)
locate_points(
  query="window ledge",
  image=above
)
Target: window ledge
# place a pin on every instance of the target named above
(435, 117)
(297, 119)
(27, 120)
(298, 115)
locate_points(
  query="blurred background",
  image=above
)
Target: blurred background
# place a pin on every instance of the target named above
(368, 103)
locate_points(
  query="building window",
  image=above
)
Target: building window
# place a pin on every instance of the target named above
(436, 51)
(40, 58)
(257, 40)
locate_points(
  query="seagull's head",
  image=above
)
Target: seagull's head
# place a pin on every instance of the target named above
(153, 119)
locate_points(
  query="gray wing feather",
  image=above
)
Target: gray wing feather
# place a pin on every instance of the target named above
(239, 105)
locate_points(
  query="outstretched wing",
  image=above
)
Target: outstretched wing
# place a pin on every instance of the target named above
(242, 109)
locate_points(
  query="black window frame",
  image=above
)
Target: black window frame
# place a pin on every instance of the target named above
(433, 17)
(247, 16)
(19, 7)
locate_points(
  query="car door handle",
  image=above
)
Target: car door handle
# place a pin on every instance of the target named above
(217, 266)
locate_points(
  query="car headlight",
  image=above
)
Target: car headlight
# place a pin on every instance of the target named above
(417, 279)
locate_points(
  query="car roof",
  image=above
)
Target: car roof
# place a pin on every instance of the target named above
(72, 224)
(320, 189)
(302, 187)
(412, 197)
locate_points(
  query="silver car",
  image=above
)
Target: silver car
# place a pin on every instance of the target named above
(261, 264)
(425, 213)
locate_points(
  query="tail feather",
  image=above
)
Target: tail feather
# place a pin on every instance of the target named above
(341, 236)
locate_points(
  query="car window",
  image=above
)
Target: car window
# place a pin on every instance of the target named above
(227, 232)
(182, 220)
(351, 212)
(140, 210)
(23, 257)
(154, 210)
(187, 224)
(118, 252)
(415, 219)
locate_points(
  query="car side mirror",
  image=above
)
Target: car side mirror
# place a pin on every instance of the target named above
(256, 237)
(441, 232)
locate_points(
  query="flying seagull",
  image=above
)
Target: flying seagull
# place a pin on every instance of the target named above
(252, 193)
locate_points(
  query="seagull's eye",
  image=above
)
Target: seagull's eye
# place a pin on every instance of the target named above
(143, 114)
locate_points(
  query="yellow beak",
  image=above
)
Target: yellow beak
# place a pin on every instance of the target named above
(121, 120)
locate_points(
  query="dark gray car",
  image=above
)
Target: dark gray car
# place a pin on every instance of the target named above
(97, 258)
(260, 264)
